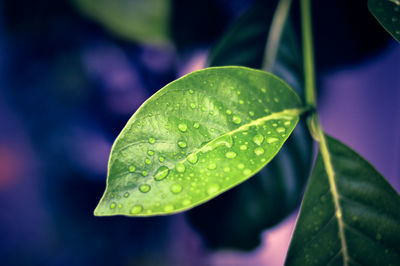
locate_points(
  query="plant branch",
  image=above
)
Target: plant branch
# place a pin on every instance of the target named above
(275, 34)
(308, 53)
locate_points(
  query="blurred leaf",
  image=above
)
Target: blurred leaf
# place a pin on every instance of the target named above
(144, 21)
(387, 12)
(237, 218)
(174, 155)
(350, 214)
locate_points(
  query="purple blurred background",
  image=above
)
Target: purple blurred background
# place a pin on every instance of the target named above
(67, 87)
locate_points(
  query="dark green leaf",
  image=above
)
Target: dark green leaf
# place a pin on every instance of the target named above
(145, 21)
(196, 138)
(350, 214)
(252, 206)
(387, 12)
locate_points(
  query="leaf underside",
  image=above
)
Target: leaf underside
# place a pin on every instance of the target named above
(252, 206)
(196, 138)
(387, 12)
(350, 214)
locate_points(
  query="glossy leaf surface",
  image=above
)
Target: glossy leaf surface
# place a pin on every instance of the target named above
(196, 138)
(141, 21)
(350, 214)
(252, 206)
(387, 12)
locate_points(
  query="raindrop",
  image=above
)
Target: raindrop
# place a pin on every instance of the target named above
(203, 109)
(152, 140)
(240, 166)
(286, 123)
(113, 205)
(176, 188)
(147, 161)
(212, 189)
(227, 169)
(150, 152)
(137, 209)
(182, 127)
(182, 144)
(212, 166)
(180, 167)
(119, 206)
(161, 159)
(186, 202)
(132, 168)
(272, 140)
(228, 112)
(236, 119)
(196, 125)
(280, 130)
(193, 105)
(251, 113)
(169, 208)
(144, 173)
(241, 102)
(247, 171)
(144, 188)
(276, 100)
(126, 194)
(259, 151)
(192, 158)
(263, 90)
(230, 154)
(161, 173)
(258, 139)
(243, 147)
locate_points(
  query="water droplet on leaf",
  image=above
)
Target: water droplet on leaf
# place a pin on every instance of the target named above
(152, 140)
(212, 189)
(272, 140)
(136, 209)
(230, 154)
(236, 119)
(161, 173)
(259, 151)
(144, 188)
(113, 205)
(132, 168)
(182, 127)
(176, 188)
(180, 167)
(192, 158)
(258, 139)
(182, 144)
(212, 166)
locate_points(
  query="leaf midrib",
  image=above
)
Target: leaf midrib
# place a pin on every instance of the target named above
(335, 194)
(279, 115)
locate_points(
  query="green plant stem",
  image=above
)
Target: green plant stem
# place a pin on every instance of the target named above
(313, 121)
(308, 53)
(275, 34)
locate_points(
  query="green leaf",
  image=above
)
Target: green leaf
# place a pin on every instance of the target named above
(144, 21)
(196, 138)
(387, 12)
(252, 206)
(350, 214)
